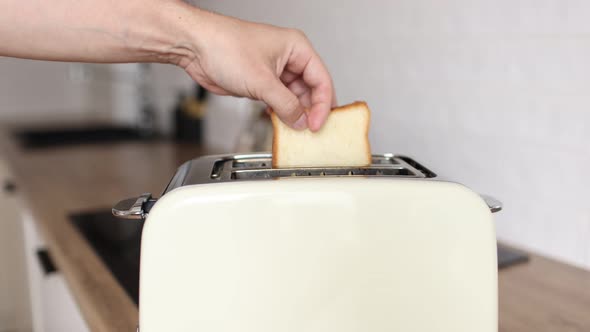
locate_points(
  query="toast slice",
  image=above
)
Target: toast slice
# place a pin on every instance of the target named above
(342, 141)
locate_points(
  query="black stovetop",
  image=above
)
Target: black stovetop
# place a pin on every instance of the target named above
(117, 242)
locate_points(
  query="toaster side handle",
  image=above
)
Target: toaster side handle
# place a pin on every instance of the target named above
(494, 204)
(136, 208)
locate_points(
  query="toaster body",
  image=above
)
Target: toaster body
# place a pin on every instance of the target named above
(319, 253)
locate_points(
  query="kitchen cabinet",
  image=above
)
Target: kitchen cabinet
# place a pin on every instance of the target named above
(14, 304)
(32, 297)
(53, 306)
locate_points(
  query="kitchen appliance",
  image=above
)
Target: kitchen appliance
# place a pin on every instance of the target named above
(234, 245)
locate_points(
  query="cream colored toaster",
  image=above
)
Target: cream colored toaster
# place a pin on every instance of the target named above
(236, 246)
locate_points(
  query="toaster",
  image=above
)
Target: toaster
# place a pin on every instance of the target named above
(235, 245)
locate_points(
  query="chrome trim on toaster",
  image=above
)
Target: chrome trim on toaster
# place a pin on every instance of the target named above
(134, 208)
(258, 166)
(494, 204)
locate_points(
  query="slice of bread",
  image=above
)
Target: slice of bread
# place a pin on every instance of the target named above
(342, 141)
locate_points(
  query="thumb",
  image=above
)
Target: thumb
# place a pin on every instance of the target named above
(285, 104)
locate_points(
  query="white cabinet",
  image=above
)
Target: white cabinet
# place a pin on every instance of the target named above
(31, 299)
(34, 273)
(14, 299)
(60, 312)
(53, 306)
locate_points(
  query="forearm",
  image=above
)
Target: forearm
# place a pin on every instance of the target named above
(99, 30)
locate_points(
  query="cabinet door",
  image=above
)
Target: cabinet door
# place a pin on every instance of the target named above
(53, 306)
(60, 311)
(34, 270)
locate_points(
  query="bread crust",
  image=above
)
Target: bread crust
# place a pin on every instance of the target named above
(276, 122)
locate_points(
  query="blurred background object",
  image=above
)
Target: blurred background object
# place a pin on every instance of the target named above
(227, 119)
(51, 103)
(147, 117)
(256, 136)
(188, 116)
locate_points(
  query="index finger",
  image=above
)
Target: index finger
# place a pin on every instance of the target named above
(316, 76)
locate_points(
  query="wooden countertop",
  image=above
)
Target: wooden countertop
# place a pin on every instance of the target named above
(542, 295)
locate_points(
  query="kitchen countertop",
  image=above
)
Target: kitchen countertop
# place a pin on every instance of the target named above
(541, 295)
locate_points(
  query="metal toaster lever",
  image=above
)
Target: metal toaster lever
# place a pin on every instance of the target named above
(494, 204)
(134, 208)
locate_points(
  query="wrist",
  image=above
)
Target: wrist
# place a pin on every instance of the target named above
(186, 28)
(169, 33)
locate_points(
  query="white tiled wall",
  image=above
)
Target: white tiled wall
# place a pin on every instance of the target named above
(164, 83)
(35, 91)
(494, 94)
(54, 93)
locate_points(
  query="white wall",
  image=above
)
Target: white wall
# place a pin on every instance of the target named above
(164, 82)
(43, 92)
(39, 91)
(494, 94)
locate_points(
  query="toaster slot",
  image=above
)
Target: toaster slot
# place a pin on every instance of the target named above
(385, 159)
(252, 163)
(417, 166)
(217, 169)
(259, 166)
(253, 174)
(244, 167)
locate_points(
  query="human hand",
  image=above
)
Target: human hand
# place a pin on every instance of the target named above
(276, 65)
(225, 55)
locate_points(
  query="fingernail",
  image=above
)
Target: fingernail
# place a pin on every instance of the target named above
(301, 123)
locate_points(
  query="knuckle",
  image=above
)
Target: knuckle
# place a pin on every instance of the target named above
(262, 86)
(291, 108)
(298, 34)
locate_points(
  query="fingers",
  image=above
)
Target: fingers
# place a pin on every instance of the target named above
(334, 101)
(287, 76)
(302, 91)
(316, 76)
(285, 104)
(305, 61)
(298, 87)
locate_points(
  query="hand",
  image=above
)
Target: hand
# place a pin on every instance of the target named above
(225, 55)
(276, 65)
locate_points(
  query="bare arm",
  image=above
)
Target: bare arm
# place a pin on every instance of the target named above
(225, 55)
